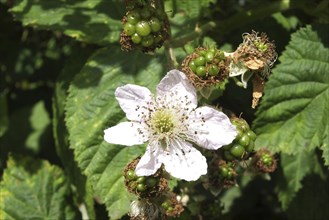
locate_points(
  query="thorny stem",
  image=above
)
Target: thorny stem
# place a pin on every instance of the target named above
(169, 51)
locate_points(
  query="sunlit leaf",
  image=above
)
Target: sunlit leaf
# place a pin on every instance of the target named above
(94, 21)
(294, 111)
(34, 189)
(73, 65)
(91, 108)
(39, 120)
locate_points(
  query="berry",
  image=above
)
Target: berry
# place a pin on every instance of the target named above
(244, 140)
(130, 175)
(141, 187)
(136, 38)
(155, 24)
(250, 147)
(140, 179)
(201, 71)
(143, 28)
(200, 61)
(146, 12)
(223, 171)
(213, 50)
(251, 134)
(193, 66)
(209, 56)
(213, 70)
(165, 205)
(240, 133)
(147, 41)
(129, 29)
(151, 182)
(202, 52)
(237, 151)
(228, 156)
(133, 17)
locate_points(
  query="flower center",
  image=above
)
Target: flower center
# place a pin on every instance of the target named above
(163, 121)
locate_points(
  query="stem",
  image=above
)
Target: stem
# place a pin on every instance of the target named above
(192, 35)
(169, 51)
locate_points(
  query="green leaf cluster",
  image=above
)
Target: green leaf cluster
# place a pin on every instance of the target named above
(293, 116)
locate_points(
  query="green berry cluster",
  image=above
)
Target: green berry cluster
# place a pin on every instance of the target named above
(145, 27)
(243, 144)
(206, 62)
(227, 171)
(141, 185)
(171, 207)
(264, 161)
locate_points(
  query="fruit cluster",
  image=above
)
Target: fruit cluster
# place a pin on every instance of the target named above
(144, 27)
(227, 174)
(243, 144)
(171, 207)
(143, 186)
(264, 161)
(206, 63)
(206, 67)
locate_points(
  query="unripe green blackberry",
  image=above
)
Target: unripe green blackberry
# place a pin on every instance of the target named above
(171, 207)
(227, 174)
(243, 144)
(144, 186)
(205, 67)
(145, 27)
(264, 161)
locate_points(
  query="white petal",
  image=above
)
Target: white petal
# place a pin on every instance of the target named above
(177, 81)
(213, 128)
(183, 161)
(126, 133)
(131, 98)
(150, 161)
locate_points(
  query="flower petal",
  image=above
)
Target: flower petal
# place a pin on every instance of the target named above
(131, 98)
(183, 161)
(211, 128)
(177, 81)
(150, 161)
(126, 133)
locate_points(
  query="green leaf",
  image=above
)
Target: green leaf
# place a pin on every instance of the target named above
(183, 15)
(72, 66)
(315, 190)
(28, 130)
(295, 168)
(288, 23)
(39, 121)
(34, 189)
(91, 108)
(294, 111)
(94, 21)
(3, 114)
(325, 153)
(191, 9)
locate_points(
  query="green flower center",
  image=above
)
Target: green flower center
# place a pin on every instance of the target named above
(163, 121)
